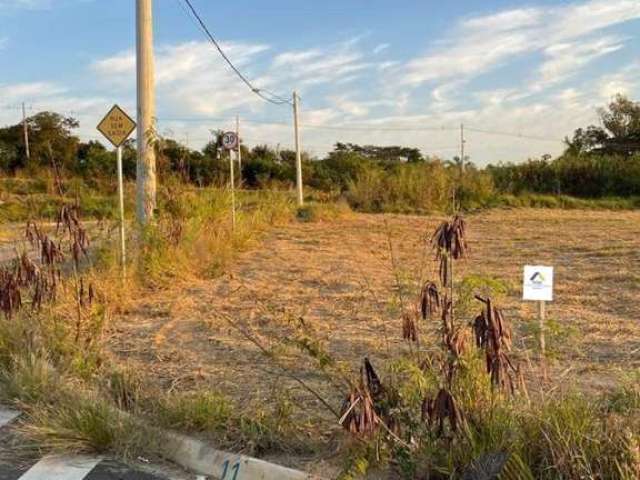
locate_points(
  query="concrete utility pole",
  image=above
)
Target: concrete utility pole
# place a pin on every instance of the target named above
(232, 186)
(462, 148)
(26, 132)
(298, 155)
(146, 165)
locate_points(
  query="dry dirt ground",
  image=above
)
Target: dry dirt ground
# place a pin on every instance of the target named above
(340, 277)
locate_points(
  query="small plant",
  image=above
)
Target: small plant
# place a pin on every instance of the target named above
(493, 335)
(430, 301)
(440, 408)
(449, 241)
(359, 415)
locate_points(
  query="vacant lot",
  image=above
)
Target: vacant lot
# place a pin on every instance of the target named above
(340, 278)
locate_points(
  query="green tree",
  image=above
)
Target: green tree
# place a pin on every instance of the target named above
(619, 133)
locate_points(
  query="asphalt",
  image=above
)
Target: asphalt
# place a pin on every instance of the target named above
(20, 463)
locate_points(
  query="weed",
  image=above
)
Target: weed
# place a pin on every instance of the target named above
(199, 411)
(86, 423)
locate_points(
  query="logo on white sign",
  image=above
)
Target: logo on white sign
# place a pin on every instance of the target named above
(538, 283)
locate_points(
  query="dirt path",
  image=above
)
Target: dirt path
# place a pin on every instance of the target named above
(338, 276)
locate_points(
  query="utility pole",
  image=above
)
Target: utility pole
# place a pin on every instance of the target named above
(233, 187)
(239, 150)
(298, 156)
(462, 141)
(146, 165)
(26, 132)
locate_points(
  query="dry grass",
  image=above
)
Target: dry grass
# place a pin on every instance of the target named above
(338, 277)
(258, 358)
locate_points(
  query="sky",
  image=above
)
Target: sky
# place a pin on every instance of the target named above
(519, 75)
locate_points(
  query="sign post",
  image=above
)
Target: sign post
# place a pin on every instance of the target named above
(538, 286)
(230, 142)
(116, 126)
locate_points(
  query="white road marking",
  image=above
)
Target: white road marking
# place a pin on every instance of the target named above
(65, 467)
(7, 416)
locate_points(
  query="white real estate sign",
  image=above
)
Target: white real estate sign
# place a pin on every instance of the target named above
(537, 283)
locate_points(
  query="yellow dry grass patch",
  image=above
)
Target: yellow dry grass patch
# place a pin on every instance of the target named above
(338, 277)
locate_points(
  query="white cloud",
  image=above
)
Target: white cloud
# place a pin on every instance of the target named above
(549, 99)
(123, 63)
(502, 21)
(482, 43)
(566, 59)
(296, 58)
(625, 81)
(380, 48)
(28, 91)
(345, 104)
(467, 58)
(26, 4)
(190, 78)
(337, 63)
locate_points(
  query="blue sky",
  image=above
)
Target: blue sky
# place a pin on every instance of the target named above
(402, 72)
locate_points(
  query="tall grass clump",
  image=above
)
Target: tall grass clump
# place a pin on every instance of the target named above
(418, 188)
(194, 237)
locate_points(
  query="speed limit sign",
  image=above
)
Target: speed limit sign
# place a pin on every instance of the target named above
(229, 140)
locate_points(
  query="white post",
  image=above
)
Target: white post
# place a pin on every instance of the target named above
(298, 155)
(123, 254)
(146, 165)
(233, 193)
(26, 132)
(462, 148)
(541, 321)
(239, 151)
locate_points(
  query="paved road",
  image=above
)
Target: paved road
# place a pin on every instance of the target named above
(16, 465)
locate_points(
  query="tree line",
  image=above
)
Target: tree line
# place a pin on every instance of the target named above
(598, 161)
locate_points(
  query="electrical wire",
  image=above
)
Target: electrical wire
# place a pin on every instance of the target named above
(511, 134)
(363, 128)
(276, 100)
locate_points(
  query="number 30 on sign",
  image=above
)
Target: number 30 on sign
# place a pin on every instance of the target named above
(229, 140)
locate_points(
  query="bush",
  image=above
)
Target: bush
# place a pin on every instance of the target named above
(585, 175)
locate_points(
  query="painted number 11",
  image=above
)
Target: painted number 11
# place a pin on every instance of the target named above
(233, 471)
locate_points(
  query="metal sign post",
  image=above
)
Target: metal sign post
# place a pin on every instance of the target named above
(123, 249)
(230, 142)
(239, 151)
(116, 126)
(538, 286)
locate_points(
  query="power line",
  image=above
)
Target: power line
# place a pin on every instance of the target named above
(512, 134)
(276, 100)
(362, 127)
(372, 127)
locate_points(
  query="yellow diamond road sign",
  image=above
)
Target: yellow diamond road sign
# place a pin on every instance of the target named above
(116, 126)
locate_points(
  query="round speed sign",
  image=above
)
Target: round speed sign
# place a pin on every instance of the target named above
(229, 140)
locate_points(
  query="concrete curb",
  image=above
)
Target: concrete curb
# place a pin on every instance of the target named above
(203, 459)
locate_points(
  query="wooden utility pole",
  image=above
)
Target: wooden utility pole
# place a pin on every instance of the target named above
(298, 155)
(239, 151)
(25, 127)
(146, 165)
